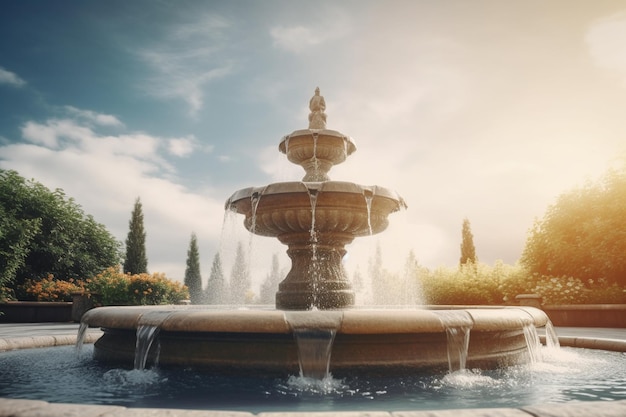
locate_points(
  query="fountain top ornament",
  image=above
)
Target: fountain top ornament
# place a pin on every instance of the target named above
(315, 217)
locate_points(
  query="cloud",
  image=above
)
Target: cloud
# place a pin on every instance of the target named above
(186, 60)
(94, 117)
(298, 38)
(182, 147)
(105, 173)
(605, 42)
(8, 77)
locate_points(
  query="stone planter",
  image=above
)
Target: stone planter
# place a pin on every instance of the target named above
(35, 311)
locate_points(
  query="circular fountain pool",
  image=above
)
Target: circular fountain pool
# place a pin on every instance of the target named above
(58, 375)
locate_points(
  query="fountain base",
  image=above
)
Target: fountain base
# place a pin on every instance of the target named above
(366, 341)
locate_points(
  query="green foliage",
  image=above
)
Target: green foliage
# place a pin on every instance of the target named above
(583, 235)
(43, 232)
(136, 261)
(193, 278)
(468, 251)
(49, 289)
(499, 284)
(469, 284)
(112, 287)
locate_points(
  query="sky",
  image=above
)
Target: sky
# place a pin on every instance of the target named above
(486, 110)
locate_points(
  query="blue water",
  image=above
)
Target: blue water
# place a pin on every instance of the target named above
(59, 375)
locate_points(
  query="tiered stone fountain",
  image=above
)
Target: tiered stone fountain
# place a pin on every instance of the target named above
(316, 218)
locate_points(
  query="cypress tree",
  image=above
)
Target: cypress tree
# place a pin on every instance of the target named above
(193, 279)
(239, 278)
(215, 290)
(136, 261)
(468, 251)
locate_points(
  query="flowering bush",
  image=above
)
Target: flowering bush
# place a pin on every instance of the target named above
(113, 287)
(50, 289)
(110, 287)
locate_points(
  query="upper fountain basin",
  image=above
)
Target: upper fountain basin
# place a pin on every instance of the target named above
(317, 150)
(339, 207)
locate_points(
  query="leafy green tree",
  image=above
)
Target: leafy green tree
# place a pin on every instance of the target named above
(136, 261)
(269, 288)
(193, 278)
(583, 235)
(240, 281)
(468, 251)
(43, 232)
(216, 286)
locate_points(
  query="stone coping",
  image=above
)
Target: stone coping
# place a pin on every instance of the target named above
(35, 408)
(356, 321)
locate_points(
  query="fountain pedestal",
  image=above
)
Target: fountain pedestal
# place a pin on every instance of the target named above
(317, 277)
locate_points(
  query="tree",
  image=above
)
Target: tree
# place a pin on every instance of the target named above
(583, 235)
(193, 278)
(136, 261)
(239, 278)
(269, 288)
(43, 232)
(468, 251)
(216, 291)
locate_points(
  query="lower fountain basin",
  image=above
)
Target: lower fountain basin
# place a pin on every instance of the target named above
(366, 341)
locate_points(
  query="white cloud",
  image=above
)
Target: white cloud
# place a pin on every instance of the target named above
(297, 38)
(186, 60)
(105, 173)
(8, 77)
(94, 117)
(182, 147)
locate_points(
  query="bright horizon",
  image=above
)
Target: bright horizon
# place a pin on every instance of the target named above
(483, 110)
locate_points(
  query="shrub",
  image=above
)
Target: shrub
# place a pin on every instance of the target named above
(110, 287)
(116, 288)
(50, 289)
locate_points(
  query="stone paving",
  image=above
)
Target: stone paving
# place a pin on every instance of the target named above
(22, 336)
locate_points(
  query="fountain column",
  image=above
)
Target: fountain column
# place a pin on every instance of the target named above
(317, 278)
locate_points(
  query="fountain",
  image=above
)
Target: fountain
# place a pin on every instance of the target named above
(314, 320)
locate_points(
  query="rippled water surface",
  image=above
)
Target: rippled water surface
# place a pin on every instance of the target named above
(60, 375)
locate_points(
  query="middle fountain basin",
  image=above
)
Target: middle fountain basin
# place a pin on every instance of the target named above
(367, 341)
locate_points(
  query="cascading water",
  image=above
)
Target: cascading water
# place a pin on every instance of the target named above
(148, 327)
(552, 339)
(146, 334)
(369, 197)
(80, 338)
(314, 351)
(458, 325)
(314, 339)
(532, 343)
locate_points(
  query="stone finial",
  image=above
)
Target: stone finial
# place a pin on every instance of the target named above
(317, 117)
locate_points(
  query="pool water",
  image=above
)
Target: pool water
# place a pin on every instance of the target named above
(61, 375)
